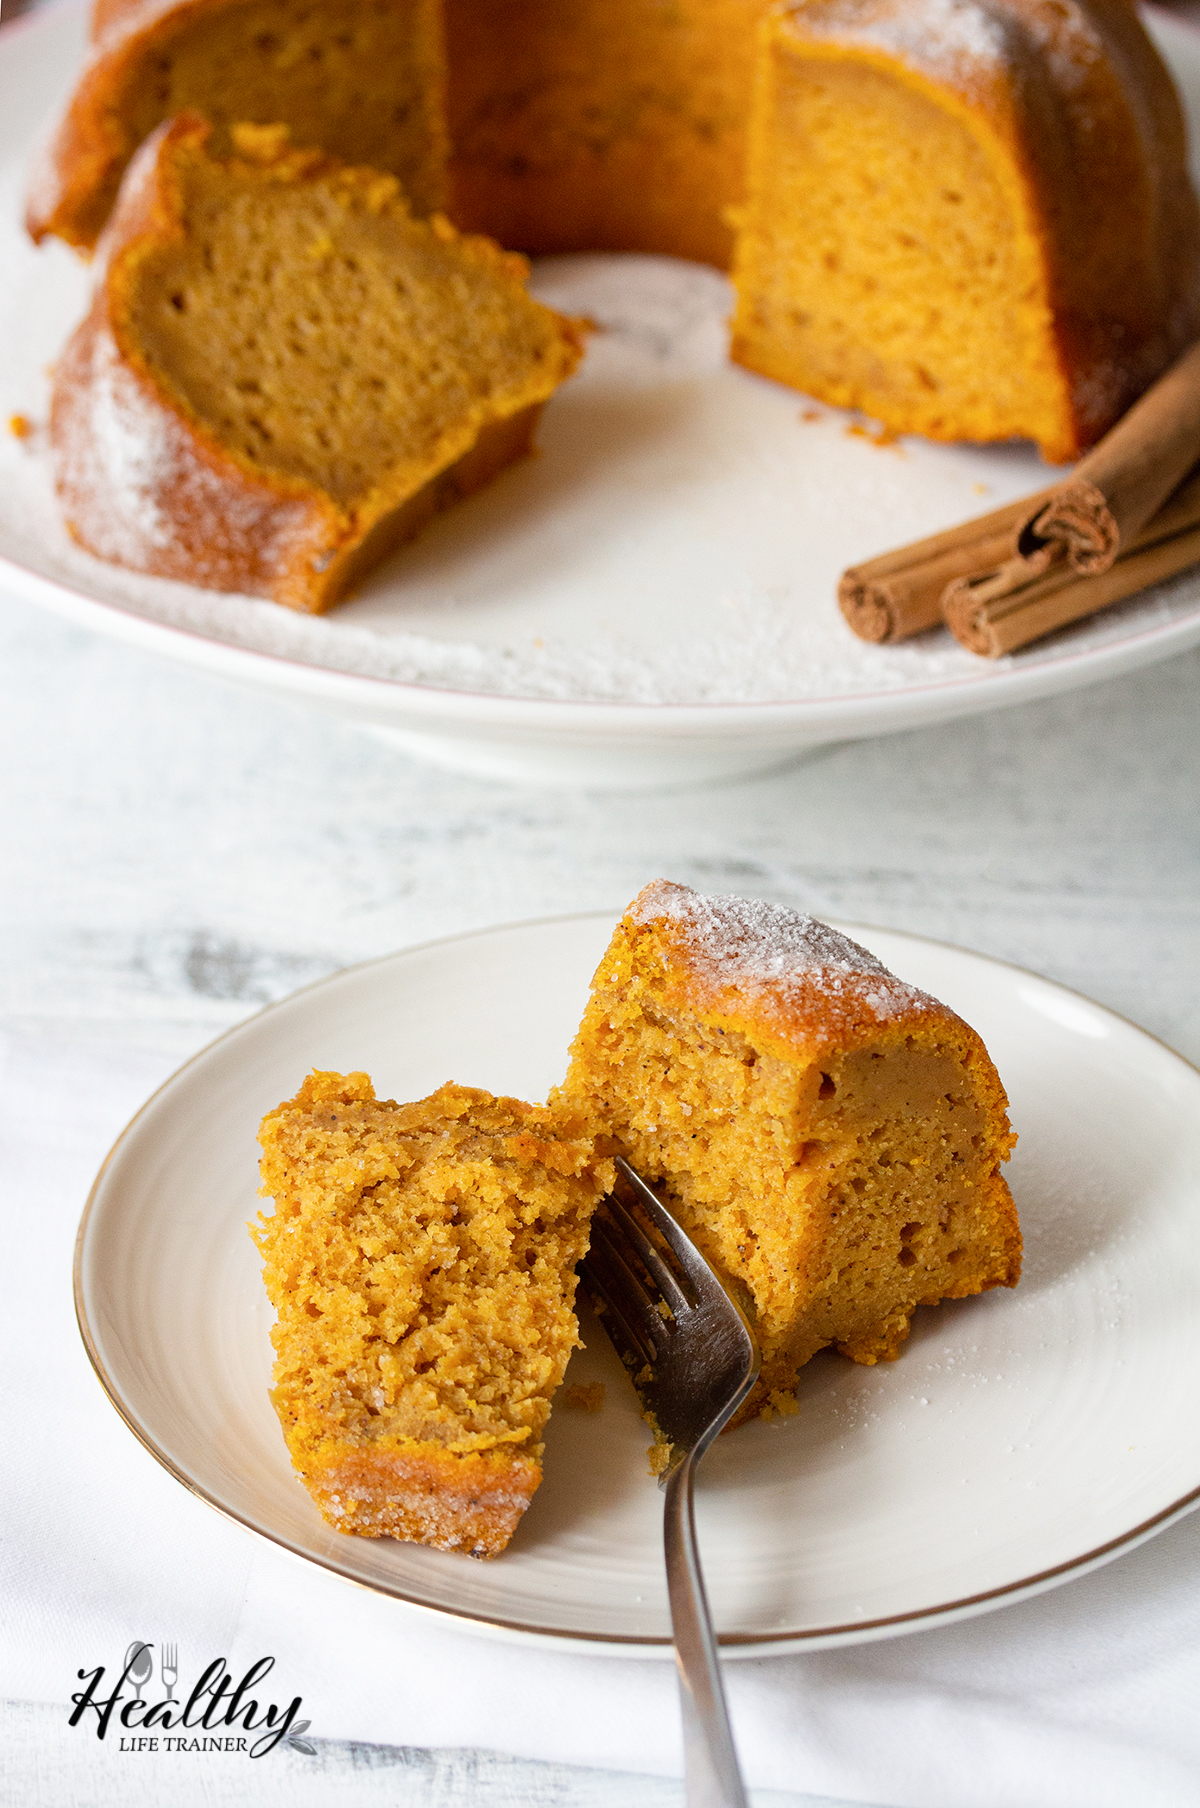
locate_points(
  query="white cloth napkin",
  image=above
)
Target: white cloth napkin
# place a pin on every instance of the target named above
(1085, 1696)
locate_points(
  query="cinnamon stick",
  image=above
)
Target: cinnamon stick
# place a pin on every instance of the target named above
(991, 614)
(900, 593)
(1123, 481)
(1086, 521)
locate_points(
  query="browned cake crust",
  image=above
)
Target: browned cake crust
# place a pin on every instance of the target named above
(421, 1261)
(971, 222)
(363, 79)
(195, 442)
(830, 1136)
(455, 1503)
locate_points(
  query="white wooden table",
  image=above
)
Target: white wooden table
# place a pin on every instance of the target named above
(176, 853)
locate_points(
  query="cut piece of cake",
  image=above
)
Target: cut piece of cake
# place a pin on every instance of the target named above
(284, 374)
(831, 1137)
(421, 1261)
(971, 219)
(591, 125)
(364, 79)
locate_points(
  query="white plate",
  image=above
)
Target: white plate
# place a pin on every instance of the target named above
(649, 602)
(1022, 1438)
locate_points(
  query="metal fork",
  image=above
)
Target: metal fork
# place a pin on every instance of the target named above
(169, 1668)
(694, 1359)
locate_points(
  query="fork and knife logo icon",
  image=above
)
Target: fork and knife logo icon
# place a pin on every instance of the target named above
(139, 1665)
(219, 1714)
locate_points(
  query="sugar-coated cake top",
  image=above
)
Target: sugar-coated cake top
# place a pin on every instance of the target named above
(923, 32)
(1055, 43)
(764, 949)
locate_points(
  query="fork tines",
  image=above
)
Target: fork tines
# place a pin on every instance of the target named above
(636, 1283)
(684, 1340)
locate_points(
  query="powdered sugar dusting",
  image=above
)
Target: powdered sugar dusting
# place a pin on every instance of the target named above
(128, 458)
(942, 35)
(762, 947)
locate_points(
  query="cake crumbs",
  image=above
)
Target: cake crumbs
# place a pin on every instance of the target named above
(779, 1405)
(584, 1396)
(659, 1456)
(874, 433)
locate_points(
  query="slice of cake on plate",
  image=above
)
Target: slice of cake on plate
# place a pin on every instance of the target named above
(284, 373)
(831, 1137)
(421, 1262)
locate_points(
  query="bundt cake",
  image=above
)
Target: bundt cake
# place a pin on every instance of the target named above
(363, 79)
(421, 1262)
(283, 373)
(971, 219)
(831, 1137)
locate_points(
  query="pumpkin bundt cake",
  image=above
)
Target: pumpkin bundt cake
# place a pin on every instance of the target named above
(971, 219)
(831, 1137)
(284, 374)
(421, 1262)
(363, 79)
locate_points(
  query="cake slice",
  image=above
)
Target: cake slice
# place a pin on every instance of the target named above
(363, 79)
(284, 373)
(830, 1137)
(971, 220)
(421, 1261)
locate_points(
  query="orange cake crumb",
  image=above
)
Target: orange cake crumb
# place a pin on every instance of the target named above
(585, 1396)
(421, 1262)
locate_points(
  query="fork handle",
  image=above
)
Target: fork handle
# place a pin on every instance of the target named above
(711, 1772)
